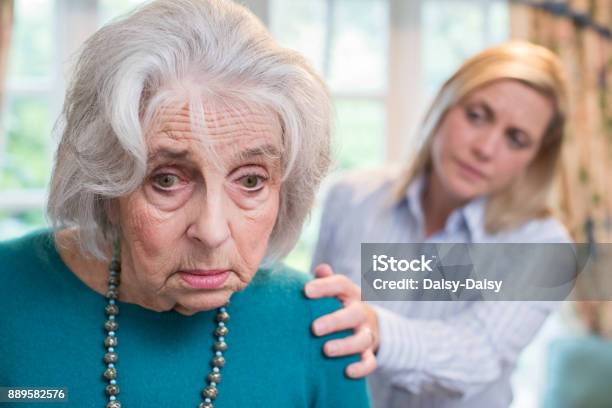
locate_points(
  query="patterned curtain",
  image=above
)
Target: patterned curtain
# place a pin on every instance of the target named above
(579, 32)
(6, 25)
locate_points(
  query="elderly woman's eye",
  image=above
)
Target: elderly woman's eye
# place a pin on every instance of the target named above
(166, 180)
(252, 181)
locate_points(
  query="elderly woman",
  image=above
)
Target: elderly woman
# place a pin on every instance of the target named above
(191, 149)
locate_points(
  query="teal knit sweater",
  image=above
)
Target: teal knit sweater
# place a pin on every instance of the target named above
(52, 336)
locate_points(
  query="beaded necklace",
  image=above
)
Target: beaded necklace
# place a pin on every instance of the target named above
(209, 393)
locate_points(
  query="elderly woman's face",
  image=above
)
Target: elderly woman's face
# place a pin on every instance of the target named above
(490, 138)
(198, 227)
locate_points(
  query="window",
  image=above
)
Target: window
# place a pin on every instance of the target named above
(346, 41)
(454, 30)
(30, 108)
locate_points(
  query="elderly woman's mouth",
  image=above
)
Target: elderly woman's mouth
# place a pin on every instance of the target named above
(205, 278)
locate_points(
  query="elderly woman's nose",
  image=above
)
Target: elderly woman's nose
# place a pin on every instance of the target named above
(209, 224)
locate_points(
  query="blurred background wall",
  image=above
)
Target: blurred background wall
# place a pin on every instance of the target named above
(383, 60)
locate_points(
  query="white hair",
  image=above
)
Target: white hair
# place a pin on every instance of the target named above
(180, 50)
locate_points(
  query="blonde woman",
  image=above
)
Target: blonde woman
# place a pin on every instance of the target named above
(491, 142)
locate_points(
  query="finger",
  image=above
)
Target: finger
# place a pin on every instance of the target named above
(333, 286)
(355, 344)
(349, 317)
(323, 270)
(366, 366)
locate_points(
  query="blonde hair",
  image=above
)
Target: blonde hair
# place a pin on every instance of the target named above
(534, 66)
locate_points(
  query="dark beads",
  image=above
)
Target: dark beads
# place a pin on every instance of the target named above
(220, 346)
(115, 266)
(112, 310)
(110, 373)
(111, 325)
(111, 357)
(214, 377)
(221, 331)
(223, 317)
(113, 404)
(210, 392)
(111, 341)
(218, 361)
(112, 389)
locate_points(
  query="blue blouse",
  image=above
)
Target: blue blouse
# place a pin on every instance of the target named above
(52, 336)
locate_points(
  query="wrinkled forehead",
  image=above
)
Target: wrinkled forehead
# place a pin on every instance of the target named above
(223, 130)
